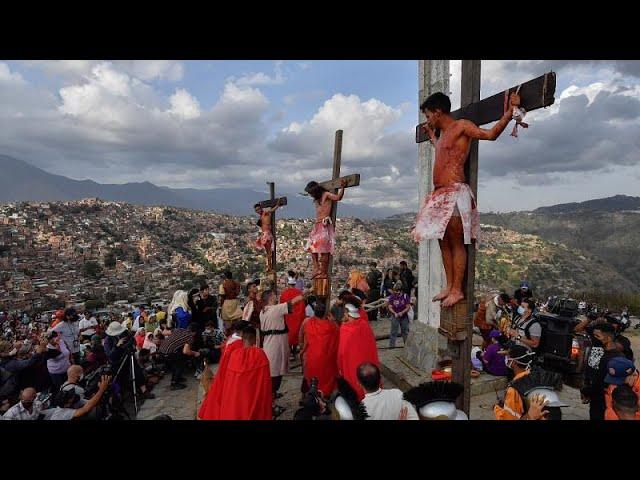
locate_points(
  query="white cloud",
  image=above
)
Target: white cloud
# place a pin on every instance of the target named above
(262, 78)
(145, 70)
(184, 105)
(9, 77)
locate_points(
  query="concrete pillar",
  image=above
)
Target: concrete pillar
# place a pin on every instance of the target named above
(425, 344)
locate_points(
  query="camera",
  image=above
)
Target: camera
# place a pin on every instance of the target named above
(129, 344)
(90, 381)
(312, 405)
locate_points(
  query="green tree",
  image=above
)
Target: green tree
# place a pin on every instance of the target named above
(110, 260)
(92, 269)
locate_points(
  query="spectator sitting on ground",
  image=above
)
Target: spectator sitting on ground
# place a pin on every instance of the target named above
(139, 337)
(387, 404)
(149, 344)
(493, 359)
(28, 408)
(75, 374)
(95, 354)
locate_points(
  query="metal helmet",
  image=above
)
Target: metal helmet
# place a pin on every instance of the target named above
(460, 415)
(438, 411)
(343, 409)
(550, 395)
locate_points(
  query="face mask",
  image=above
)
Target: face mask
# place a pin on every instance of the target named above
(508, 363)
(520, 310)
(27, 405)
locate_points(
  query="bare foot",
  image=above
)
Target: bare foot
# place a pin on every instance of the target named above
(441, 296)
(454, 297)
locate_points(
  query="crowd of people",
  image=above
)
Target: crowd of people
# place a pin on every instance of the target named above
(73, 365)
(509, 335)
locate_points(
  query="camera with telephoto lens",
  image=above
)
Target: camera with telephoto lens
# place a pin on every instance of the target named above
(312, 404)
(129, 343)
(91, 380)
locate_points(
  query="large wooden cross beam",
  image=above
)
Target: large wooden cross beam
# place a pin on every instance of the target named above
(322, 286)
(534, 94)
(272, 202)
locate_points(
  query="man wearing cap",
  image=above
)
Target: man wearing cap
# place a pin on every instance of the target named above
(69, 330)
(523, 292)
(620, 371)
(357, 344)
(296, 317)
(399, 305)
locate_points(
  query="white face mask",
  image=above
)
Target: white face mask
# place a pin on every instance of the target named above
(520, 310)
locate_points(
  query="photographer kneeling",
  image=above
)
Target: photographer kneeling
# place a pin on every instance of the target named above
(118, 345)
(176, 348)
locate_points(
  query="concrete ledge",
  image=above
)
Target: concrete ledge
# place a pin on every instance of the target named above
(395, 366)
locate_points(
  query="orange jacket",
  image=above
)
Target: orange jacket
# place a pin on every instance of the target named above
(513, 407)
(609, 413)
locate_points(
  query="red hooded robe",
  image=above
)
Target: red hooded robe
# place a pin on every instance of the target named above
(247, 386)
(210, 408)
(320, 353)
(357, 345)
(296, 317)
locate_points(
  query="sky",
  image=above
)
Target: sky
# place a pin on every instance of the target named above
(210, 124)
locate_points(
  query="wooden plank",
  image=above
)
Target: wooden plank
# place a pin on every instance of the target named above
(352, 181)
(534, 94)
(461, 371)
(272, 203)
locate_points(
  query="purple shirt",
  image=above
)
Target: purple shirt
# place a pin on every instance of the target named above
(495, 361)
(399, 301)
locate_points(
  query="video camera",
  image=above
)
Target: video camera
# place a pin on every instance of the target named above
(129, 344)
(313, 405)
(90, 382)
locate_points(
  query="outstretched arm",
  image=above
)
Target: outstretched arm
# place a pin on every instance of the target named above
(336, 197)
(475, 132)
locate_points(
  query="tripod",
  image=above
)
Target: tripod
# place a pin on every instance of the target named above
(132, 372)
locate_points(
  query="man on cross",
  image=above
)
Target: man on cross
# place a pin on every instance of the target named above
(449, 213)
(321, 241)
(265, 240)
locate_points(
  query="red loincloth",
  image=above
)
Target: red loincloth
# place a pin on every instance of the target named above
(265, 239)
(357, 345)
(439, 206)
(321, 353)
(294, 319)
(321, 239)
(247, 386)
(210, 408)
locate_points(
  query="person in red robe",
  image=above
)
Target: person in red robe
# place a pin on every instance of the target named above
(357, 344)
(294, 319)
(247, 383)
(210, 408)
(319, 338)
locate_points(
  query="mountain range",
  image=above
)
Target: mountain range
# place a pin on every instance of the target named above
(22, 182)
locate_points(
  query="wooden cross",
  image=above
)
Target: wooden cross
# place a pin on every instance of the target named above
(322, 286)
(272, 202)
(456, 322)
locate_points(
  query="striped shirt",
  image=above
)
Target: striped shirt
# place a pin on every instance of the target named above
(176, 341)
